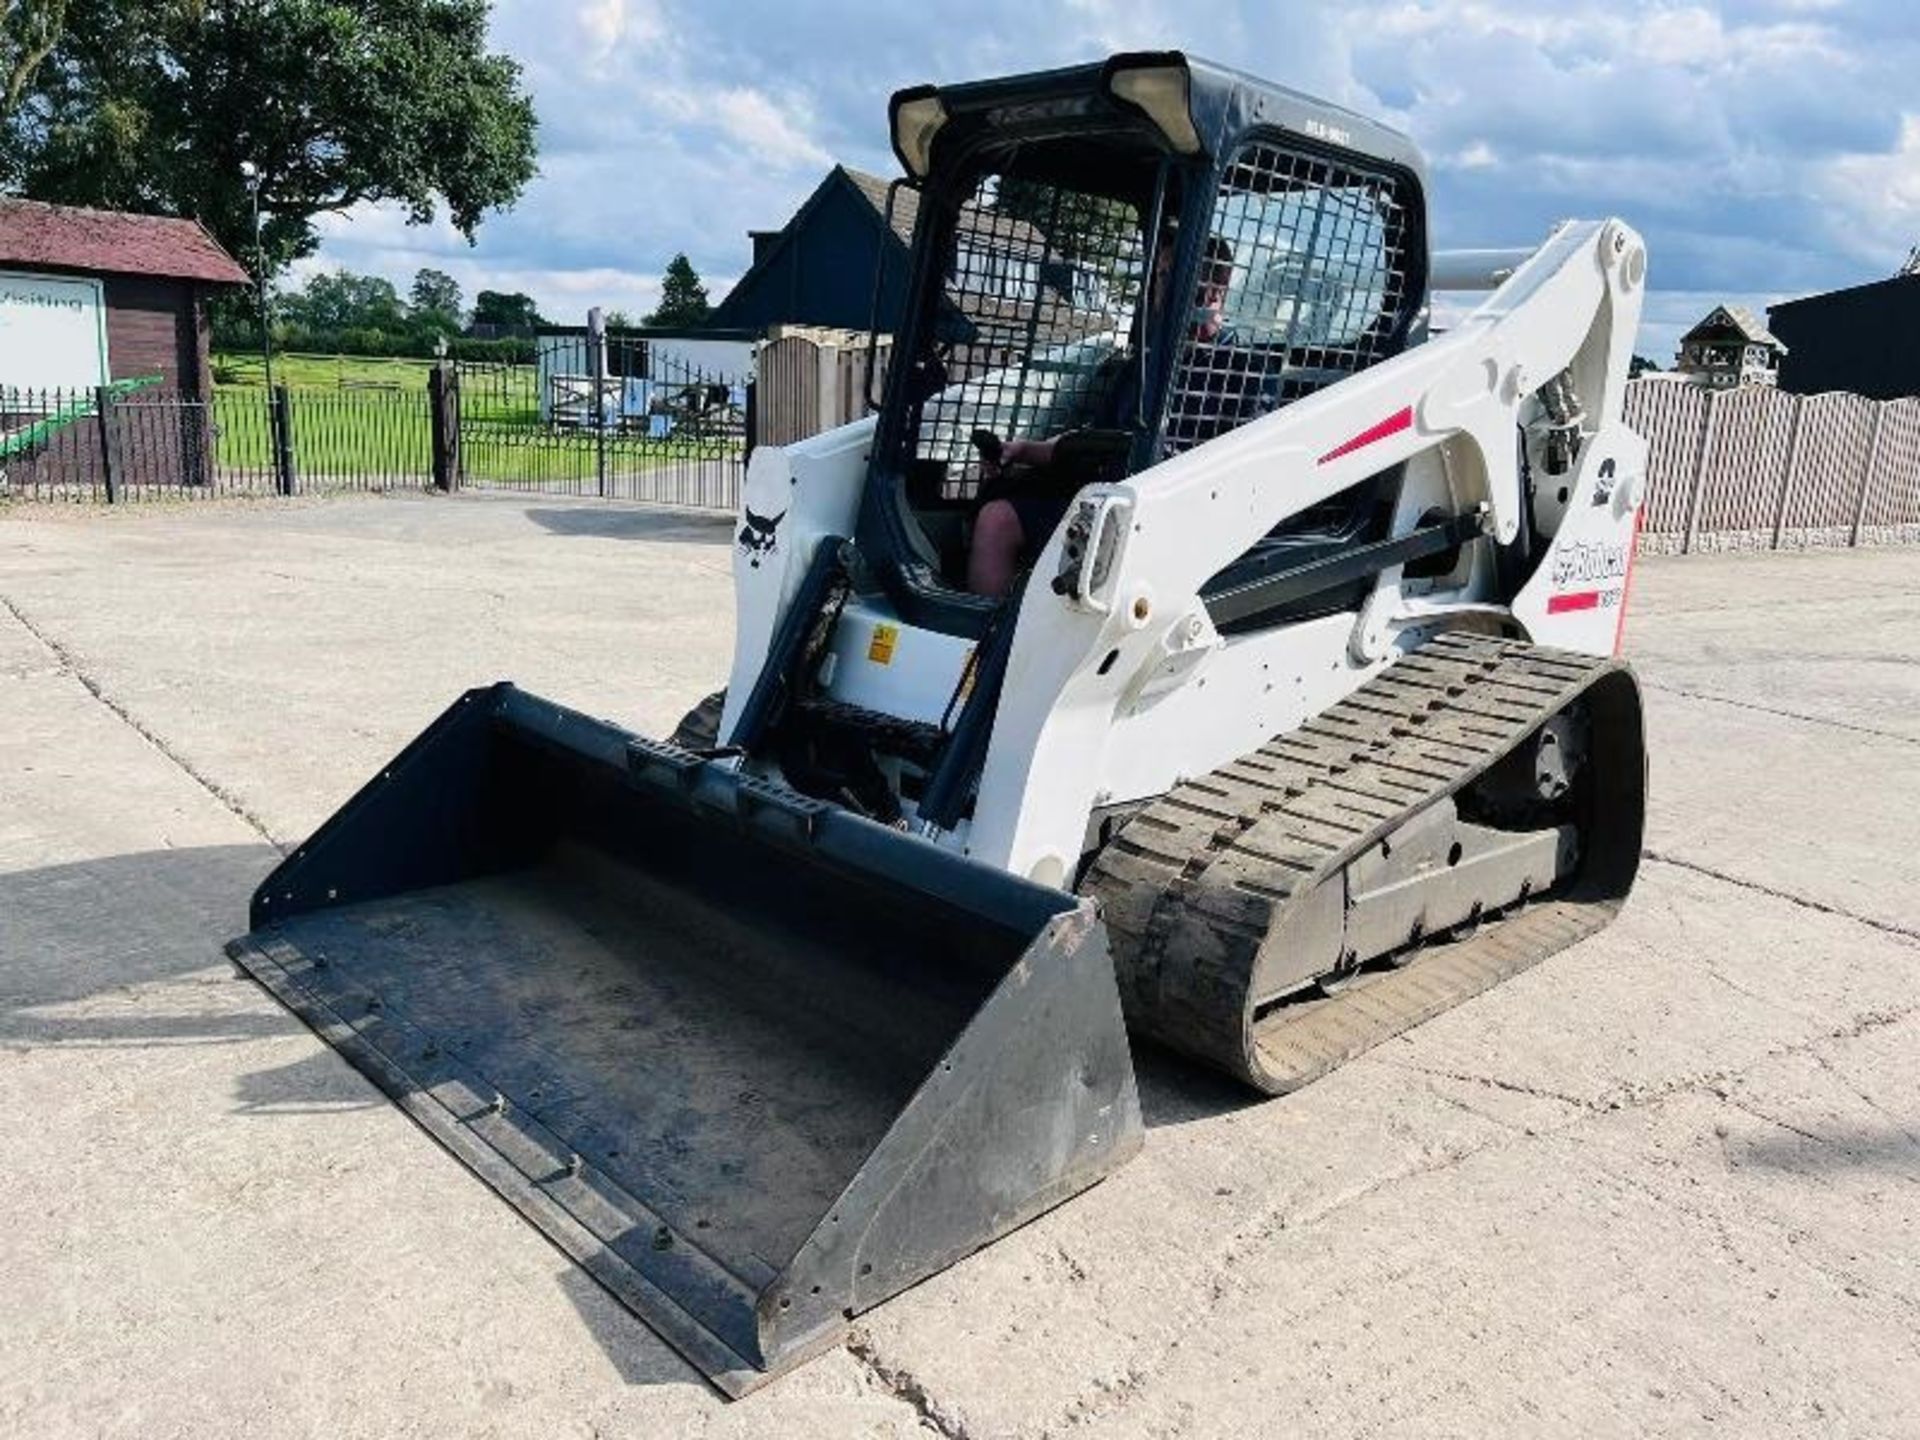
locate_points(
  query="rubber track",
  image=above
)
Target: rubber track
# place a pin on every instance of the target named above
(1192, 886)
(699, 728)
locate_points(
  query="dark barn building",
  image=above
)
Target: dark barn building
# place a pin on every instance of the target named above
(819, 269)
(1865, 339)
(156, 275)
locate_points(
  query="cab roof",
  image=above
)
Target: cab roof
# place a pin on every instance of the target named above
(1221, 104)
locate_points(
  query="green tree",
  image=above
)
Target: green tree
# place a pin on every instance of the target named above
(159, 106)
(29, 30)
(435, 300)
(506, 311)
(683, 299)
(330, 303)
(618, 320)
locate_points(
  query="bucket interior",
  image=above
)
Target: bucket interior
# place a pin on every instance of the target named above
(723, 1026)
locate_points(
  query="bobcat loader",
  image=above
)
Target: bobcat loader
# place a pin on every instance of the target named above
(1303, 726)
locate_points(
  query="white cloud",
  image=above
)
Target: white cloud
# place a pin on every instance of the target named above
(772, 133)
(377, 241)
(608, 24)
(1875, 199)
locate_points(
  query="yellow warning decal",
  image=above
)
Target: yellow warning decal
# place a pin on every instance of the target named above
(880, 648)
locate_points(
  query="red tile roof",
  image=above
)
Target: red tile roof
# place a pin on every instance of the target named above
(112, 242)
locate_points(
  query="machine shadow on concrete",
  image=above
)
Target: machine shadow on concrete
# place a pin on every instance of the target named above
(623, 522)
(76, 932)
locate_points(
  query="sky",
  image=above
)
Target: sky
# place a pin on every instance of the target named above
(1765, 148)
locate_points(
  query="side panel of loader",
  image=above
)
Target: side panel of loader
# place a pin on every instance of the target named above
(757, 1063)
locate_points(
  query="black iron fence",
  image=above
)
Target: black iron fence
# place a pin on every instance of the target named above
(622, 418)
(619, 417)
(131, 442)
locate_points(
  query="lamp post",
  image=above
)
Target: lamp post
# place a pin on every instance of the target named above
(251, 174)
(279, 412)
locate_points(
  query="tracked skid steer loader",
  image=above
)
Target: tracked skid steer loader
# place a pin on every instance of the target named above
(1298, 723)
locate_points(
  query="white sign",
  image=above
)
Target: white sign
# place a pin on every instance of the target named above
(53, 333)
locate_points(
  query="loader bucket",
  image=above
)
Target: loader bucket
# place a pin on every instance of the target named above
(754, 1062)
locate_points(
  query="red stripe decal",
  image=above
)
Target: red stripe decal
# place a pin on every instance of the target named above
(1392, 425)
(1626, 585)
(1579, 600)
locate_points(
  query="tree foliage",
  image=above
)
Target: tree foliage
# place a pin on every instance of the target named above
(341, 300)
(505, 311)
(683, 298)
(340, 313)
(158, 106)
(435, 300)
(29, 30)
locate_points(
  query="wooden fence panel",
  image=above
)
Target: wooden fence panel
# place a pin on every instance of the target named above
(1831, 464)
(786, 391)
(1892, 510)
(1743, 472)
(1731, 469)
(1672, 420)
(805, 387)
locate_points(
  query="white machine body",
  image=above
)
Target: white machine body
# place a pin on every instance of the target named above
(1118, 690)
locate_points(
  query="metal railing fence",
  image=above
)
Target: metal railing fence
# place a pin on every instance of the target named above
(608, 417)
(122, 443)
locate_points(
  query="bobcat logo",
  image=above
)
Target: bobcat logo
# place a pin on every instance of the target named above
(1603, 488)
(759, 537)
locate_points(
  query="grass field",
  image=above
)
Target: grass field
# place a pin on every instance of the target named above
(491, 392)
(361, 434)
(336, 372)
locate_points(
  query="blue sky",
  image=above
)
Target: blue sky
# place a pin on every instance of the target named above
(1766, 148)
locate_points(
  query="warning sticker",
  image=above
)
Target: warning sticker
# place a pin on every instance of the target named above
(880, 648)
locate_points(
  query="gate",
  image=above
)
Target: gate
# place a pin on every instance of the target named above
(622, 416)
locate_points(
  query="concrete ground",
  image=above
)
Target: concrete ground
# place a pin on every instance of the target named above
(1665, 1183)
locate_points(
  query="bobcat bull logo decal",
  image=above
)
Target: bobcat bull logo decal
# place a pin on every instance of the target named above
(759, 537)
(1603, 486)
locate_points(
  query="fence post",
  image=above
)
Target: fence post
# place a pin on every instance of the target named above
(752, 418)
(827, 380)
(280, 418)
(1793, 466)
(443, 403)
(1710, 413)
(1866, 480)
(597, 369)
(103, 407)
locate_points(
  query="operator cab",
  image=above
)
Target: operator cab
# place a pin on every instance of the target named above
(1143, 254)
